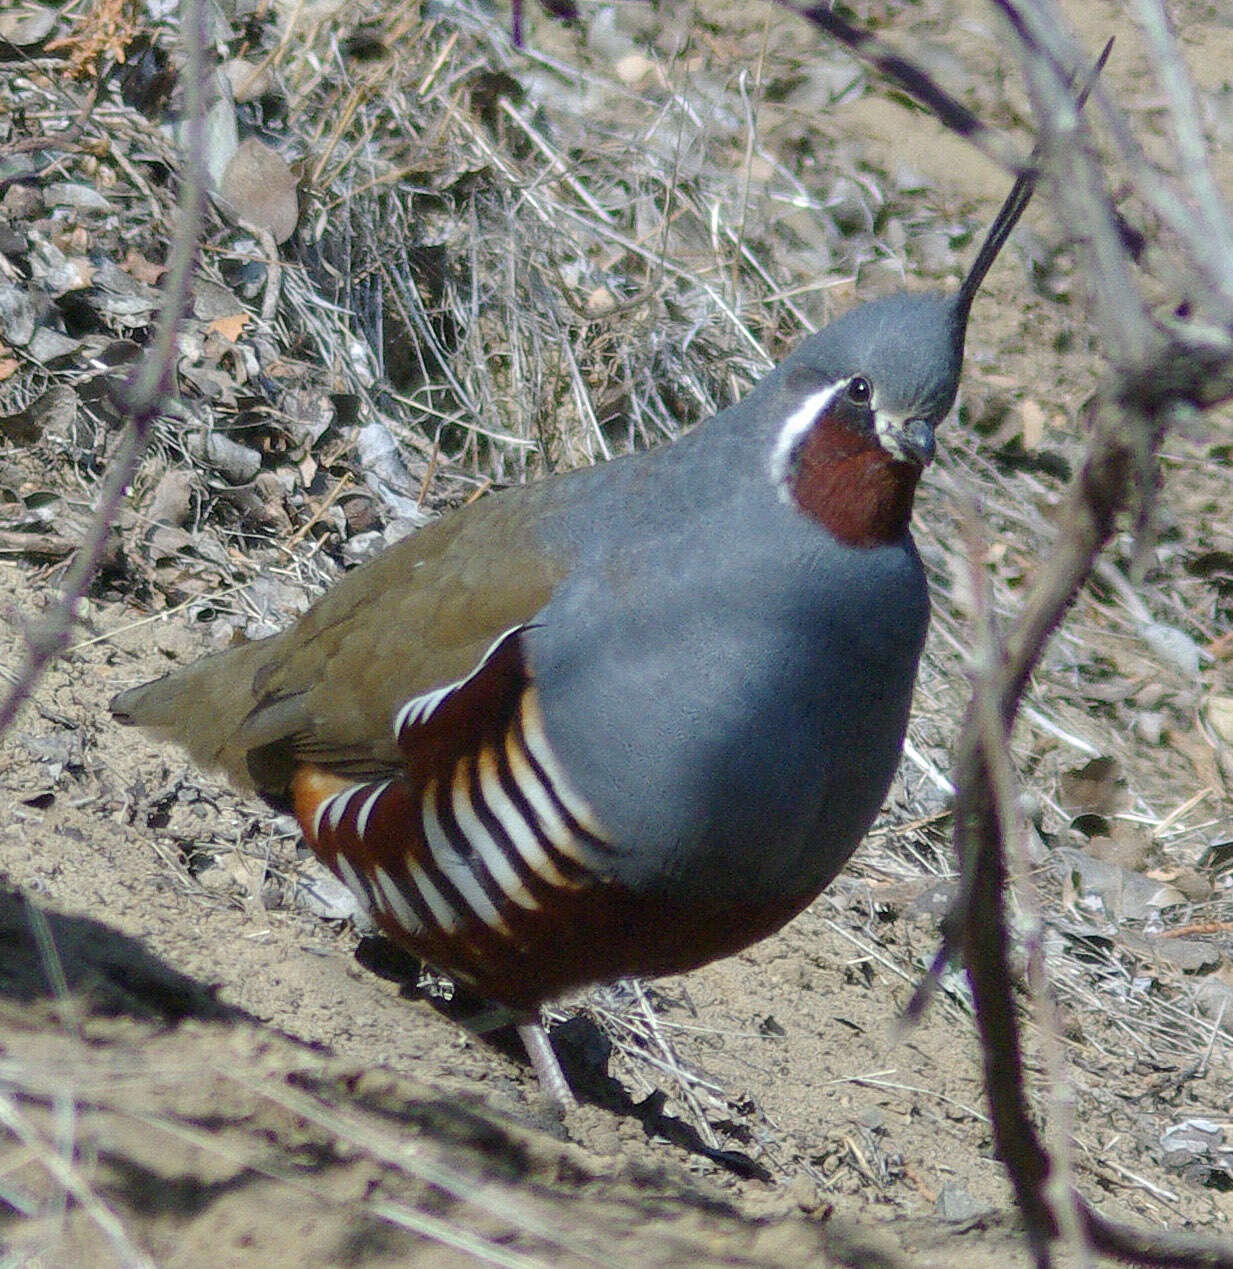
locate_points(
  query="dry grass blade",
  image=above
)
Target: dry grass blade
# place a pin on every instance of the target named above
(504, 267)
(59, 1164)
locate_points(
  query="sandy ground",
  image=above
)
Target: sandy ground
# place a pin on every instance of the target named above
(198, 1071)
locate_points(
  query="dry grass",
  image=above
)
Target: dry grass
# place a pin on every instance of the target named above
(507, 291)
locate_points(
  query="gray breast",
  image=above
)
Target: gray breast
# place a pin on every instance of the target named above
(729, 691)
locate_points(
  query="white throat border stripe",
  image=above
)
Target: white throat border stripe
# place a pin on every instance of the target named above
(794, 429)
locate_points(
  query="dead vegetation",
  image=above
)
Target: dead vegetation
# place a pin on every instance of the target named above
(505, 265)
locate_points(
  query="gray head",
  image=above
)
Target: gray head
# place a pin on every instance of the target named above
(908, 348)
(850, 415)
(904, 352)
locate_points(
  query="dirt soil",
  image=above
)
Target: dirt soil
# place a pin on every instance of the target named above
(198, 1071)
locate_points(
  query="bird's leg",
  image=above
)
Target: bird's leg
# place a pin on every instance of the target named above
(544, 1062)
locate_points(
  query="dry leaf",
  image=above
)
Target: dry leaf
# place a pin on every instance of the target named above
(248, 80)
(1220, 716)
(600, 302)
(633, 68)
(230, 328)
(1092, 789)
(142, 269)
(1126, 854)
(259, 189)
(1032, 418)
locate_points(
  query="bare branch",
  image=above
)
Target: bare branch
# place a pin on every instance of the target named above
(1215, 237)
(916, 82)
(1158, 371)
(142, 398)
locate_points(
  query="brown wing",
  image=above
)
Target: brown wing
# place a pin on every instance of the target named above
(467, 853)
(481, 857)
(326, 689)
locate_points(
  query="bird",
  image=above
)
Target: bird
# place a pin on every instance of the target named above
(625, 720)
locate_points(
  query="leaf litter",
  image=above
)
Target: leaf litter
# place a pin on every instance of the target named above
(493, 266)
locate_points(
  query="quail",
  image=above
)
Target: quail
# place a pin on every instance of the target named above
(625, 720)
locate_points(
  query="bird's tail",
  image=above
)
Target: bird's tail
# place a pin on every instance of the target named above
(201, 707)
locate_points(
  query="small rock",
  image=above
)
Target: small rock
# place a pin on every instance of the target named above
(17, 315)
(47, 345)
(956, 1204)
(236, 462)
(318, 891)
(1190, 956)
(172, 502)
(78, 197)
(24, 27)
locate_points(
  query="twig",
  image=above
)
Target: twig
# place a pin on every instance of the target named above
(1158, 372)
(913, 80)
(142, 398)
(1195, 172)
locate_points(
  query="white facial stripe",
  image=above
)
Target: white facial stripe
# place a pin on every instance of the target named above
(797, 425)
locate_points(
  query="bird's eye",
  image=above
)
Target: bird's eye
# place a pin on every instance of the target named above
(860, 391)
